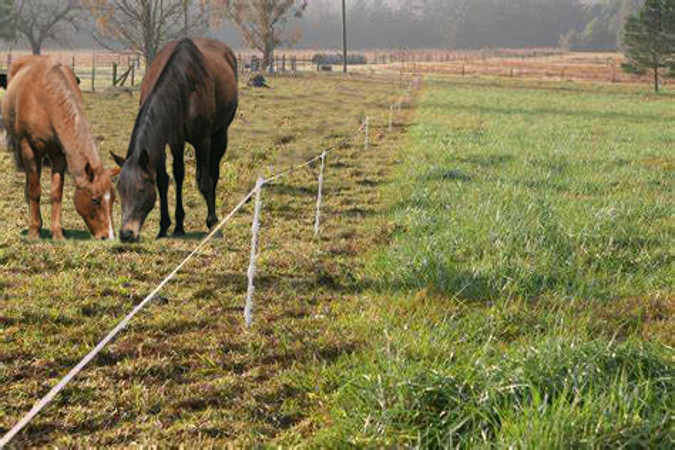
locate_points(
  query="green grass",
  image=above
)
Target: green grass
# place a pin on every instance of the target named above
(524, 297)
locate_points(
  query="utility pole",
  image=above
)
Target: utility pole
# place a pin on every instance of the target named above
(344, 37)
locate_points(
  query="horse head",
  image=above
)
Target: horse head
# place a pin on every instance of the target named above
(94, 198)
(137, 187)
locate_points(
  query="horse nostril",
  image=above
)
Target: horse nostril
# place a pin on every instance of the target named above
(127, 236)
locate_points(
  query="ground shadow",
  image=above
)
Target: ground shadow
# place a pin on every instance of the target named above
(578, 113)
(75, 235)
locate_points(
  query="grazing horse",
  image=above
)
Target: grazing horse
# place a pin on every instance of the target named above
(43, 115)
(189, 93)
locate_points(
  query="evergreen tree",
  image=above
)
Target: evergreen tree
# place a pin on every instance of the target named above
(649, 38)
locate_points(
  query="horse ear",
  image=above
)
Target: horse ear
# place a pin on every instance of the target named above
(114, 171)
(90, 172)
(143, 160)
(118, 159)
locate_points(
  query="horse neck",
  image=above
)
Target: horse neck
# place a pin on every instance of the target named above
(154, 129)
(77, 142)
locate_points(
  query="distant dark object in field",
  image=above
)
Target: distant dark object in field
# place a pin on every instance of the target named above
(258, 81)
(326, 59)
(326, 68)
(3, 80)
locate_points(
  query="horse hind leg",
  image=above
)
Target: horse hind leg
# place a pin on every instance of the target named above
(218, 148)
(204, 180)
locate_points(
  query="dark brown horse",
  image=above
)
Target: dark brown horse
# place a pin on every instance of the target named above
(43, 115)
(188, 94)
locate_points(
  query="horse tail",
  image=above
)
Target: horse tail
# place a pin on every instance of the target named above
(13, 146)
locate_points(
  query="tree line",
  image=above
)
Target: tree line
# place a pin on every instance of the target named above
(470, 24)
(644, 29)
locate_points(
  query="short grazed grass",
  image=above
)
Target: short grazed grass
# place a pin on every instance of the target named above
(187, 370)
(524, 297)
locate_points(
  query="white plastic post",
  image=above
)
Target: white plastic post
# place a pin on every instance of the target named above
(252, 269)
(317, 222)
(366, 131)
(391, 118)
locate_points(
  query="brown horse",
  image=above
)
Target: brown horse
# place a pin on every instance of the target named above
(188, 94)
(43, 115)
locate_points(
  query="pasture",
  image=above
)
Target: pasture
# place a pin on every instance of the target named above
(496, 272)
(188, 369)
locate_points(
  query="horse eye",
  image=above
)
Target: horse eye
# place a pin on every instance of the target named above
(96, 201)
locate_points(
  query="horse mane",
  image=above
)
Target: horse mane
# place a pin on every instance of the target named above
(161, 117)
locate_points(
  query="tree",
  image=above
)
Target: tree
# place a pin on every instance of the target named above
(6, 19)
(40, 21)
(649, 38)
(146, 25)
(261, 21)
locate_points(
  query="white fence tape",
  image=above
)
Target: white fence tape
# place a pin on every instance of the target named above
(120, 326)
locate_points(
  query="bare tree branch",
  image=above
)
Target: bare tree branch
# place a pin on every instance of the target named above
(39, 21)
(145, 25)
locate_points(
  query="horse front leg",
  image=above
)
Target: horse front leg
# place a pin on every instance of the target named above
(58, 170)
(163, 187)
(33, 167)
(179, 175)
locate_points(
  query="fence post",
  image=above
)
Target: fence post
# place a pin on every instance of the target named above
(73, 64)
(366, 131)
(114, 69)
(317, 222)
(252, 269)
(133, 73)
(93, 72)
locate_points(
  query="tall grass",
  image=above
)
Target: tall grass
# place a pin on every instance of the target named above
(525, 299)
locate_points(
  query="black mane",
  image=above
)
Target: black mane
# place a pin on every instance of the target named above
(161, 118)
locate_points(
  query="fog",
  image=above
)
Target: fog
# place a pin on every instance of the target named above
(451, 24)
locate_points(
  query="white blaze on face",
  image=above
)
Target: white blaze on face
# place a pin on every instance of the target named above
(106, 199)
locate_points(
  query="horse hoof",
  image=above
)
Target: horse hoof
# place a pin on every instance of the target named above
(161, 235)
(33, 235)
(58, 235)
(179, 233)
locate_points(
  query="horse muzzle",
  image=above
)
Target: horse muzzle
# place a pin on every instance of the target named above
(127, 235)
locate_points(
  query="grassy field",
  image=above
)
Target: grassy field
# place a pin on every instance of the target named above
(497, 274)
(187, 370)
(524, 299)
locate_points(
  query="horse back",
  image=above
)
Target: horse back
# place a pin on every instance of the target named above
(34, 83)
(216, 94)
